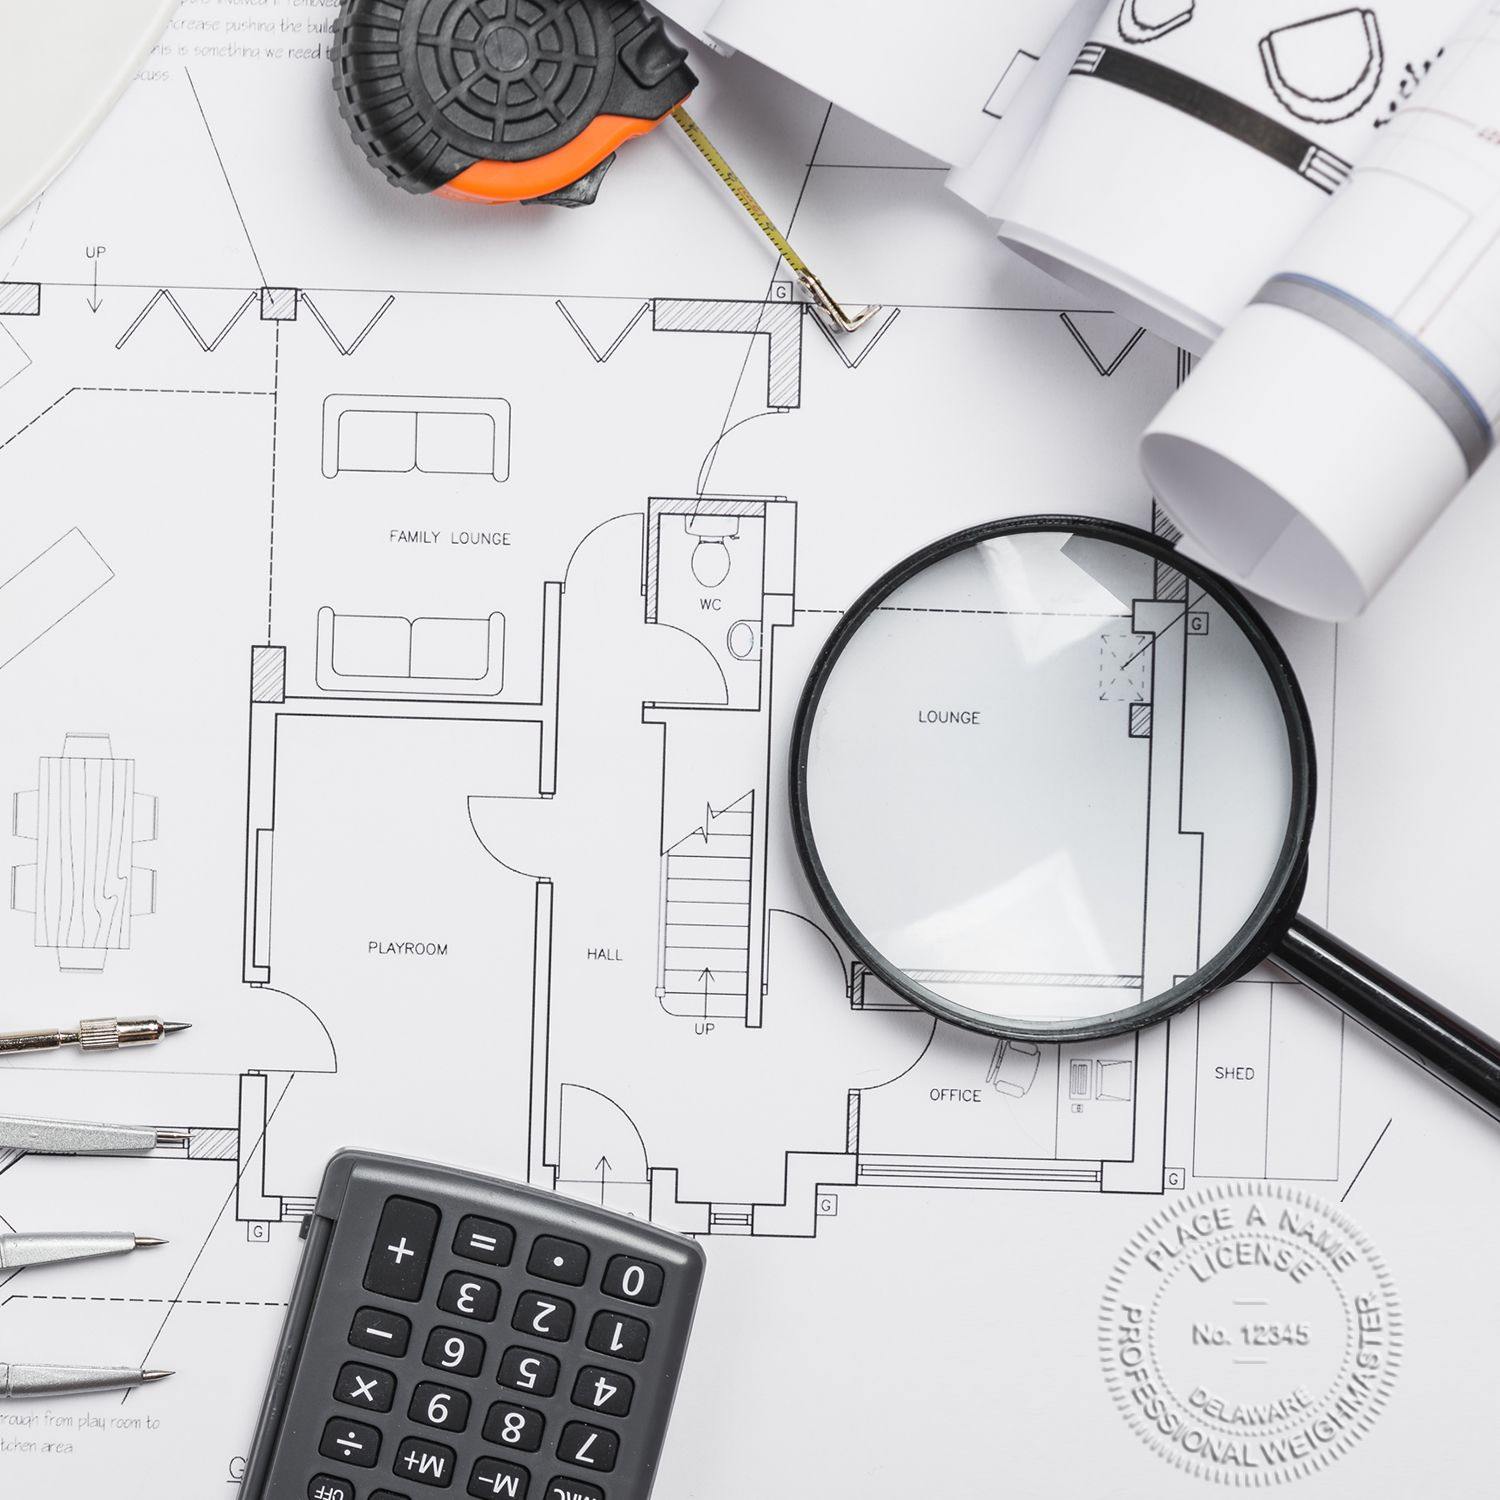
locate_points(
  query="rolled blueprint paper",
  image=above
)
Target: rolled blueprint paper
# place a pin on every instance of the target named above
(1346, 407)
(1195, 140)
(1024, 109)
(934, 75)
(693, 16)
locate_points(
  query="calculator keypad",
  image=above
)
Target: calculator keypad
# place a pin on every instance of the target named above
(469, 1352)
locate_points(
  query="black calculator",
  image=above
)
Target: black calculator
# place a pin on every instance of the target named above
(452, 1332)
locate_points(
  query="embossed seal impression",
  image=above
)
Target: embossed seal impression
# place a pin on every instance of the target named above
(1250, 1333)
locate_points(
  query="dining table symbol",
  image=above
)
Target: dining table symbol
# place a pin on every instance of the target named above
(83, 890)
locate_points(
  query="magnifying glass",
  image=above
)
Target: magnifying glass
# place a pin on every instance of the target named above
(1052, 781)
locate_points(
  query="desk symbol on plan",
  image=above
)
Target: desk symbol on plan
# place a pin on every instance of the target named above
(85, 818)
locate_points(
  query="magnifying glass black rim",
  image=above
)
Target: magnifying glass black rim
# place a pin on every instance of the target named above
(1265, 925)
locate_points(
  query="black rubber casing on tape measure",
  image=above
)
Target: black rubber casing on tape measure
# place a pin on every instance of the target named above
(432, 87)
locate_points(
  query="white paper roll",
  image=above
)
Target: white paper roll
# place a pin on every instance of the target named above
(1305, 469)
(1343, 410)
(1195, 141)
(934, 75)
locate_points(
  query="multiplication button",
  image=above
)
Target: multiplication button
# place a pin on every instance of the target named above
(365, 1387)
(402, 1249)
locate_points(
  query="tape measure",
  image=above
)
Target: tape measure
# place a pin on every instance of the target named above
(521, 101)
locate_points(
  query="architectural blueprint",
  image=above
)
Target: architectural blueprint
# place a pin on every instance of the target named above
(403, 606)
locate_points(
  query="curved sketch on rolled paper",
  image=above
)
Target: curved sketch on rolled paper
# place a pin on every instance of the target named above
(1147, 20)
(1327, 68)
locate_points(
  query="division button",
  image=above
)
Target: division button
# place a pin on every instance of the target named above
(559, 1260)
(419, 1462)
(380, 1332)
(366, 1387)
(326, 1487)
(619, 1335)
(493, 1476)
(589, 1447)
(634, 1280)
(402, 1249)
(485, 1240)
(352, 1443)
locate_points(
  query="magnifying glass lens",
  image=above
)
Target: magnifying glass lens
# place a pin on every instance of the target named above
(1048, 781)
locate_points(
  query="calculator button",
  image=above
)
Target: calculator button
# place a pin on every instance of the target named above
(603, 1391)
(387, 1495)
(351, 1443)
(548, 1317)
(572, 1489)
(528, 1370)
(326, 1487)
(634, 1280)
(484, 1240)
(365, 1386)
(457, 1352)
(469, 1296)
(380, 1332)
(617, 1334)
(517, 1427)
(492, 1476)
(591, 1447)
(559, 1260)
(421, 1462)
(436, 1405)
(402, 1249)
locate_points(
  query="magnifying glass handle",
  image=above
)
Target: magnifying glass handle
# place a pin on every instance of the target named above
(1460, 1051)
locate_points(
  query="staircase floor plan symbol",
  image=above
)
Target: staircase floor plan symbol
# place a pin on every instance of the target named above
(706, 915)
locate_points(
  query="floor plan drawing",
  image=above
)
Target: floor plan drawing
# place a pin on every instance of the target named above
(406, 704)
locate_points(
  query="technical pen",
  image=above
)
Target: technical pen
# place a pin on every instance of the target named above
(104, 1034)
(18, 1250)
(70, 1380)
(79, 1137)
